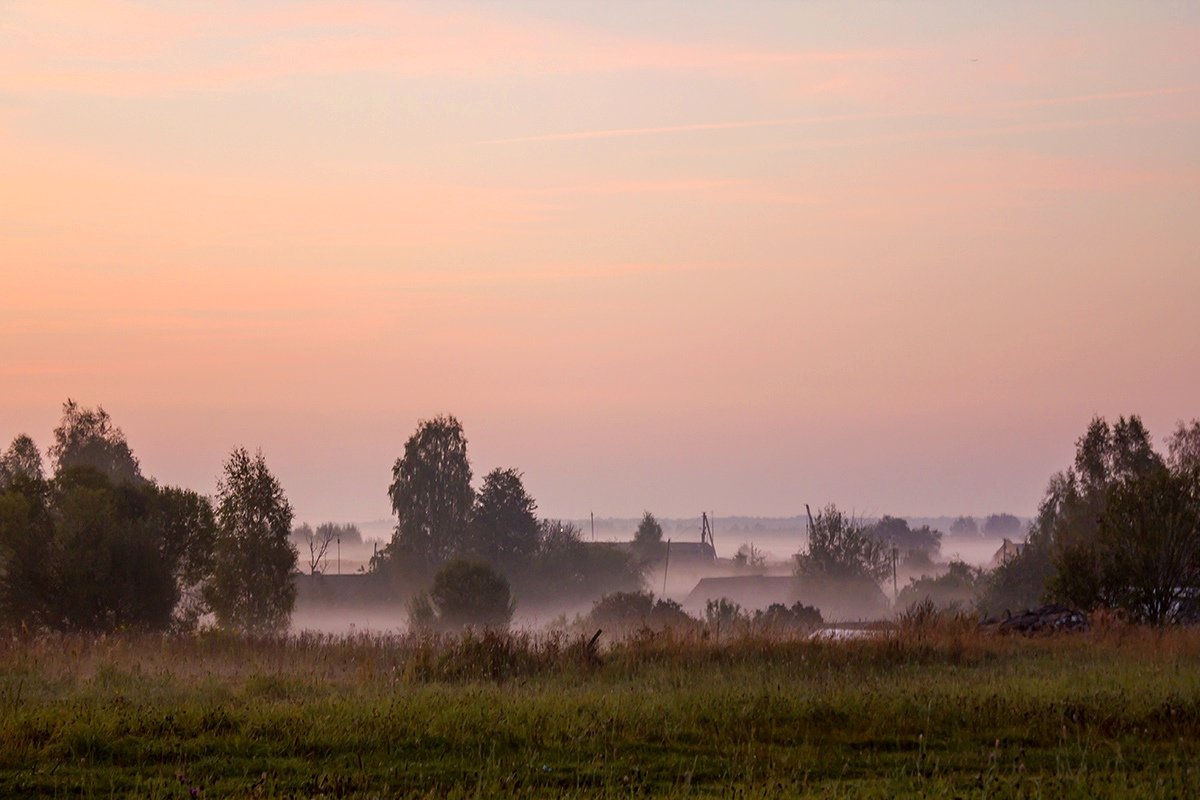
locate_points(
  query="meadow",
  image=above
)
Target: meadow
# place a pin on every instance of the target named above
(937, 710)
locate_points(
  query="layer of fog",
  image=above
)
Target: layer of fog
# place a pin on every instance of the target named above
(777, 539)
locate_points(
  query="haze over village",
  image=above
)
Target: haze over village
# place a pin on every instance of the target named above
(535, 398)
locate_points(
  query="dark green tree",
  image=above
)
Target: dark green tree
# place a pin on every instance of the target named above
(504, 527)
(1148, 547)
(431, 496)
(1106, 457)
(80, 553)
(468, 592)
(1067, 556)
(251, 588)
(88, 437)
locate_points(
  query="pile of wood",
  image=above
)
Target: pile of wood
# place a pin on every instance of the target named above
(1047, 619)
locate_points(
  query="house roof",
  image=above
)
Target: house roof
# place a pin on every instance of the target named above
(748, 591)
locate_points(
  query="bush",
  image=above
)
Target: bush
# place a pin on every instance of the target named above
(778, 618)
(956, 588)
(465, 592)
(724, 615)
(624, 612)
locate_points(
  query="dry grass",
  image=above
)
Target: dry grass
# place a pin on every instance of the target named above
(930, 706)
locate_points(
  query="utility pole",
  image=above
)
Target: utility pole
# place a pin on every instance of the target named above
(592, 514)
(666, 564)
(339, 554)
(895, 591)
(810, 524)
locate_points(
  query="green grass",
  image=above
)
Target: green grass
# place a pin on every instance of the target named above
(946, 713)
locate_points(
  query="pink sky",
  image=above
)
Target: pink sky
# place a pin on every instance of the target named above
(674, 256)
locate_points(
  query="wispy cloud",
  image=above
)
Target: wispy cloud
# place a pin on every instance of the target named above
(611, 133)
(791, 122)
(134, 49)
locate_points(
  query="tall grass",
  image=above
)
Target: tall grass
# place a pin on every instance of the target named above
(930, 706)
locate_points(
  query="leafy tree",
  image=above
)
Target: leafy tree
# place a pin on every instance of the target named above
(840, 548)
(87, 437)
(565, 569)
(647, 540)
(956, 588)
(1148, 546)
(894, 532)
(964, 526)
(1105, 458)
(465, 592)
(251, 588)
(21, 460)
(621, 613)
(504, 527)
(187, 528)
(1083, 550)
(1001, 525)
(749, 557)
(431, 495)
(83, 554)
(1183, 447)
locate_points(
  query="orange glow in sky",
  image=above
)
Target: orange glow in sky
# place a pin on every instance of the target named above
(677, 256)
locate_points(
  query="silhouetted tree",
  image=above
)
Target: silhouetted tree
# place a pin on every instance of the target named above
(1105, 458)
(1183, 448)
(1148, 547)
(621, 613)
(749, 557)
(964, 526)
(431, 495)
(565, 569)
(895, 532)
(1083, 550)
(504, 528)
(647, 540)
(997, 525)
(840, 548)
(955, 588)
(20, 460)
(315, 542)
(251, 588)
(87, 437)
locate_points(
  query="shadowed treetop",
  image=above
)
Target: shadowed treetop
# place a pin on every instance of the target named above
(88, 437)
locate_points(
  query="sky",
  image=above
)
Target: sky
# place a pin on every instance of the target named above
(658, 255)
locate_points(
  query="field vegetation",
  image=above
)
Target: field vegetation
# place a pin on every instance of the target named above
(930, 706)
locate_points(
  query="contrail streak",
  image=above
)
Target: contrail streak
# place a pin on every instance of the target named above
(612, 133)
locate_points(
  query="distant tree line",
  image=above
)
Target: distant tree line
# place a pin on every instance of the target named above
(96, 546)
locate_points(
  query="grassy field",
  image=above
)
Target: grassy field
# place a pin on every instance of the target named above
(940, 713)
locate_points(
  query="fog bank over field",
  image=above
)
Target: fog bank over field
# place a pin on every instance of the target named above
(776, 539)
(779, 538)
